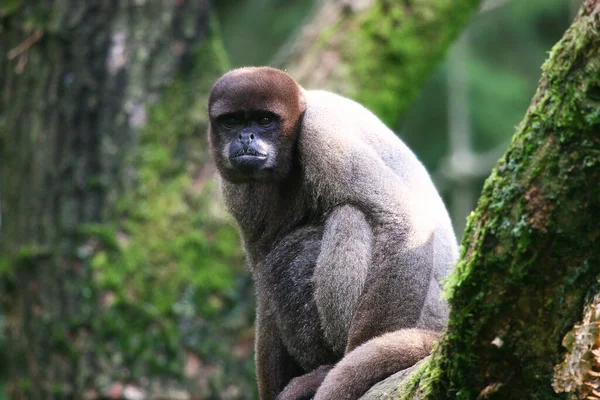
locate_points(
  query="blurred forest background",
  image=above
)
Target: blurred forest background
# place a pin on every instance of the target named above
(169, 278)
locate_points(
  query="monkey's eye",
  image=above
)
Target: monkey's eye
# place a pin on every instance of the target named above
(230, 121)
(264, 121)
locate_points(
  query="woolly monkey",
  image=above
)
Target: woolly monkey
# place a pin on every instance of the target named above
(344, 232)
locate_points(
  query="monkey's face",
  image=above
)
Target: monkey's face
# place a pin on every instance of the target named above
(255, 116)
(246, 144)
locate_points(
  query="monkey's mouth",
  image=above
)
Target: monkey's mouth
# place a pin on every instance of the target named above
(248, 152)
(248, 159)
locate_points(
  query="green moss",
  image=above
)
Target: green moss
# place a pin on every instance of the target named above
(394, 47)
(411, 387)
(168, 267)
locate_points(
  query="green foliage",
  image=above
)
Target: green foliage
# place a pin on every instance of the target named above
(498, 97)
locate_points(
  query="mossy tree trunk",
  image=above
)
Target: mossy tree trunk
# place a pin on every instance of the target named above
(530, 260)
(112, 251)
(378, 52)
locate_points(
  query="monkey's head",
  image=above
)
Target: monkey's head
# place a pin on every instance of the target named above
(255, 115)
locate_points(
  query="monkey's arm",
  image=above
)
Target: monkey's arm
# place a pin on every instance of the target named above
(339, 276)
(274, 366)
(341, 271)
(397, 290)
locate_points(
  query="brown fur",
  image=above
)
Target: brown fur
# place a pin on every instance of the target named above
(244, 88)
(344, 232)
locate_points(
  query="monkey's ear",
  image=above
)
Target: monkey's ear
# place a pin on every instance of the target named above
(302, 99)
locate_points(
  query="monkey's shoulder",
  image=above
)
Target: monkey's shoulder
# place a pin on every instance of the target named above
(341, 134)
(349, 155)
(331, 117)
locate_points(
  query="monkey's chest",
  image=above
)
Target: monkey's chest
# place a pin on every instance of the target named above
(287, 283)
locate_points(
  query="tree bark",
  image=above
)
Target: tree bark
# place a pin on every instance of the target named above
(530, 257)
(379, 52)
(112, 254)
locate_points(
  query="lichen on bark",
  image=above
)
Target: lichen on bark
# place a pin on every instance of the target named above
(578, 373)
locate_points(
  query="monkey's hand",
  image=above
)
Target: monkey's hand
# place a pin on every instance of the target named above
(304, 387)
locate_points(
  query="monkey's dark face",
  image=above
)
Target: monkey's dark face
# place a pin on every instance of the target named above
(247, 143)
(255, 115)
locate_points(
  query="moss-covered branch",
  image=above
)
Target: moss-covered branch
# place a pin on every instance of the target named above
(379, 52)
(531, 253)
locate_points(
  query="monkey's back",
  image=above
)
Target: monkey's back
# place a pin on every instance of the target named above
(368, 166)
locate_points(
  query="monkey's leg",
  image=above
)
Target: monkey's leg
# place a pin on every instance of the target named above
(374, 361)
(341, 271)
(274, 366)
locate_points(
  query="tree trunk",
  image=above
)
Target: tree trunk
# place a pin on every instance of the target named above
(112, 254)
(379, 52)
(530, 257)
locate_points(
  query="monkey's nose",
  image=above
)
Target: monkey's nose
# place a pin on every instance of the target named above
(246, 138)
